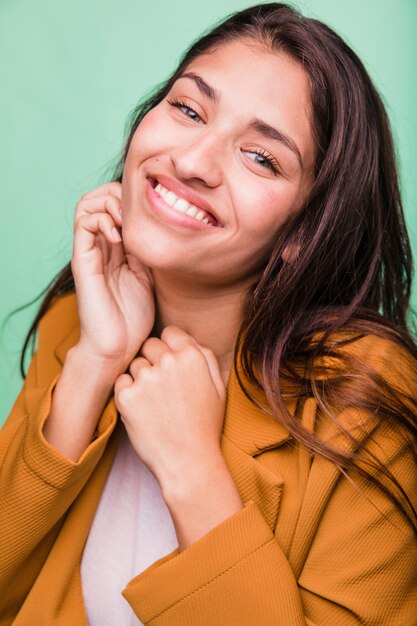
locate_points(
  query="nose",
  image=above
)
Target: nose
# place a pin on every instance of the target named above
(199, 159)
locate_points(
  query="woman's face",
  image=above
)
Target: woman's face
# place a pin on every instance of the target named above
(232, 144)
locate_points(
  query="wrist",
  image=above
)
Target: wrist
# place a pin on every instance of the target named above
(101, 370)
(83, 388)
(196, 476)
(201, 500)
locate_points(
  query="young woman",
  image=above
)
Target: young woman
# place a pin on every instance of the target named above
(218, 426)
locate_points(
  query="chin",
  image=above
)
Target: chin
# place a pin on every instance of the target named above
(155, 252)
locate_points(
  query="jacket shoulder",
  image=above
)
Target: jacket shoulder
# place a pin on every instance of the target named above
(361, 357)
(369, 393)
(392, 362)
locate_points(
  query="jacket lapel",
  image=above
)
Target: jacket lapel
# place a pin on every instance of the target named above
(247, 433)
(323, 477)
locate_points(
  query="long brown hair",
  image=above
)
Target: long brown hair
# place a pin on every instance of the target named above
(352, 274)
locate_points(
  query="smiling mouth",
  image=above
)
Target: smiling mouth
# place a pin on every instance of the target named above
(183, 206)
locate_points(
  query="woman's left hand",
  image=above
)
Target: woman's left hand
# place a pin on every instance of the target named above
(172, 404)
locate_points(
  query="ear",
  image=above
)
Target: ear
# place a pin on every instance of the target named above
(291, 252)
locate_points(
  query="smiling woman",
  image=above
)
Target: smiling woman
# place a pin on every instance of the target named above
(219, 423)
(231, 142)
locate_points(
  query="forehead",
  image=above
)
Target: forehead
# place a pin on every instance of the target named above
(253, 81)
(250, 63)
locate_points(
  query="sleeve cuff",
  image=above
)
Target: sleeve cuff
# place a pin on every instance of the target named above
(180, 574)
(48, 463)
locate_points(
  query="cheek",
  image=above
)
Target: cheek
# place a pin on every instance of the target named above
(150, 137)
(152, 127)
(264, 210)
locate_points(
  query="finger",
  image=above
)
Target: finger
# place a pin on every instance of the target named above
(214, 369)
(100, 204)
(176, 338)
(153, 349)
(88, 226)
(122, 382)
(137, 365)
(115, 188)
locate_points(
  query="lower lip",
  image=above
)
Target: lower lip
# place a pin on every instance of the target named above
(169, 214)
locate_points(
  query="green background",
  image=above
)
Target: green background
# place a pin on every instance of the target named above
(70, 73)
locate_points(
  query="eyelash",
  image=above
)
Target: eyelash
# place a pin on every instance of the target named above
(175, 102)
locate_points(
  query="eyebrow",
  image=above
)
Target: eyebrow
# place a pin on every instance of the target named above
(255, 123)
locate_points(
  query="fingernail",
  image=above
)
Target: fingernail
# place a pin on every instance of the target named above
(116, 235)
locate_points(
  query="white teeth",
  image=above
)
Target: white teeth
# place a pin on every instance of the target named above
(181, 205)
(170, 198)
(192, 211)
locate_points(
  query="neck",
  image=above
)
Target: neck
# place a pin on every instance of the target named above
(212, 315)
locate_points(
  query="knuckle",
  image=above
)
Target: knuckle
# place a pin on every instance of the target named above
(149, 342)
(78, 220)
(78, 212)
(146, 349)
(124, 416)
(87, 193)
(115, 187)
(190, 350)
(122, 397)
(191, 354)
(81, 206)
(104, 220)
(109, 202)
(135, 366)
(145, 374)
(167, 359)
(169, 331)
(77, 224)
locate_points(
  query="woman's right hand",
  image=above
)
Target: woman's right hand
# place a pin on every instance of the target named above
(115, 300)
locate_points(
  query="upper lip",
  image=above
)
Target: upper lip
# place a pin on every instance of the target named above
(188, 194)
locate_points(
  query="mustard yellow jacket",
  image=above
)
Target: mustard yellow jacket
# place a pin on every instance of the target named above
(310, 547)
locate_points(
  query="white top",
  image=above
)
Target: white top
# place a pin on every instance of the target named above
(131, 530)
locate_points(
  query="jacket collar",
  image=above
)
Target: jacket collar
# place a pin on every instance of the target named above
(249, 427)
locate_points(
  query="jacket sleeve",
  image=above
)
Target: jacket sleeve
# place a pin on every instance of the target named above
(38, 483)
(236, 575)
(360, 566)
(361, 569)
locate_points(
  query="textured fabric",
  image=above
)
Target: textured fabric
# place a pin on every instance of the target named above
(131, 530)
(310, 547)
